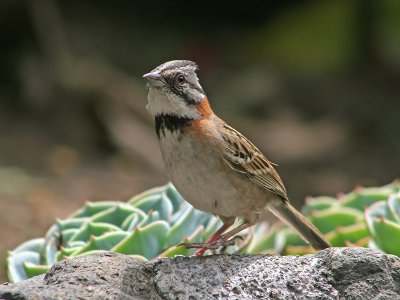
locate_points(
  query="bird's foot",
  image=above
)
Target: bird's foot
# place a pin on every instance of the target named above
(203, 247)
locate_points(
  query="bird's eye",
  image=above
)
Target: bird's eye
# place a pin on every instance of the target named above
(180, 79)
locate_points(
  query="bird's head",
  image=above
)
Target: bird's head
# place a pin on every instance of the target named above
(174, 89)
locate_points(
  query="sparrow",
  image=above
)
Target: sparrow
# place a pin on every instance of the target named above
(212, 165)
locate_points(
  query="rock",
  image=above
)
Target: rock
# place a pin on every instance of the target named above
(344, 273)
(103, 276)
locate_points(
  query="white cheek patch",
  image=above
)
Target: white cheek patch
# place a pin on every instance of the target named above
(160, 102)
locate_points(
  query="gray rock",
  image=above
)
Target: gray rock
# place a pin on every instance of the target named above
(336, 273)
(103, 276)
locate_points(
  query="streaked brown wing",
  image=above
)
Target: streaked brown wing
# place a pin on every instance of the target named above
(242, 156)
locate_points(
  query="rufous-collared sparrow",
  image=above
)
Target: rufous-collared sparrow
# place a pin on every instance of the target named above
(213, 166)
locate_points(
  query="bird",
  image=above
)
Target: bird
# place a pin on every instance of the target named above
(212, 165)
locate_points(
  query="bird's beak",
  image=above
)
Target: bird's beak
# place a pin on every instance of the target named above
(154, 79)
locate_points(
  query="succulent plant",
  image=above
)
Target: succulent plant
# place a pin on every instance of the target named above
(383, 221)
(147, 226)
(152, 223)
(366, 217)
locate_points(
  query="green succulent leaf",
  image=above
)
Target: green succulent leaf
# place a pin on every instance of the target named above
(92, 208)
(105, 242)
(175, 198)
(186, 225)
(264, 240)
(34, 269)
(379, 210)
(59, 256)
(318, 204)
(51, 246)
(387, 235)
(66, 227)
(341, 236)
(63, 253)
(75, 244)
(151, 192)
(93, 229)
(183, 228)
(394, 207)
(364, 197)
(16, 262)
(33, 245)
(147, 241)
(329, 219)
(157, 202)
(181, 250)
(152, 216)
(293, 238)
(382, 225)
(181, 212)
(175, 250)
(212, 226)
(65, 235)
(138, 218)
(114, 215)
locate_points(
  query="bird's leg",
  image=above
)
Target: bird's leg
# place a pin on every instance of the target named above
(218, 239)
(226, 239)
(201, 251)
(215, 236)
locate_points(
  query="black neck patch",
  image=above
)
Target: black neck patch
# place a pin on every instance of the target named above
(171, 123)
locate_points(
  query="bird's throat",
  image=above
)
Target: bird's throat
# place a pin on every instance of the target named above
(175, 123)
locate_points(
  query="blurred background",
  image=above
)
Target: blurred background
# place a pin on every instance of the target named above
(315, 85)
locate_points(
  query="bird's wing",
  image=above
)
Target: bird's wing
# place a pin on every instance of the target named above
(242, 156)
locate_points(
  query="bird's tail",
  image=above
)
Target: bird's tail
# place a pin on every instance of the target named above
(284, 210)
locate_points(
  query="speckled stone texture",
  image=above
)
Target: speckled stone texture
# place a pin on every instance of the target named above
(337, 273)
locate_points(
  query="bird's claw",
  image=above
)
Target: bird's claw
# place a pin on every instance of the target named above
(211, 246)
